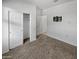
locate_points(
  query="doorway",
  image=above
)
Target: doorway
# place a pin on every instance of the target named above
(26, 27)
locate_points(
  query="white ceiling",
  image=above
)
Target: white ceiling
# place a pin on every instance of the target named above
(43, 4)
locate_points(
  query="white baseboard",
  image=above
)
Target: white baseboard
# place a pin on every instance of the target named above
(59, 39)
(5, 51)
(42, 33)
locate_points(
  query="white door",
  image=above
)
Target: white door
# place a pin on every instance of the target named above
(15, 29)
(44, 24)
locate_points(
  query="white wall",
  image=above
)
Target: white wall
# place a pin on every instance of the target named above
(25, 8)
(5, 30)
(67, 29)
(26, 26)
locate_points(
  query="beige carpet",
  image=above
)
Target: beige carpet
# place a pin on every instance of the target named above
(43, 48)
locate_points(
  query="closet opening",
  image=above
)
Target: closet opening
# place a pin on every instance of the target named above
(26, 27)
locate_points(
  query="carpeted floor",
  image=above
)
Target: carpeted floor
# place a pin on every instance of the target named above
(43, 48)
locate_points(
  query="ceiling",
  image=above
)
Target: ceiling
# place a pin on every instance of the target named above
(42, 4)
